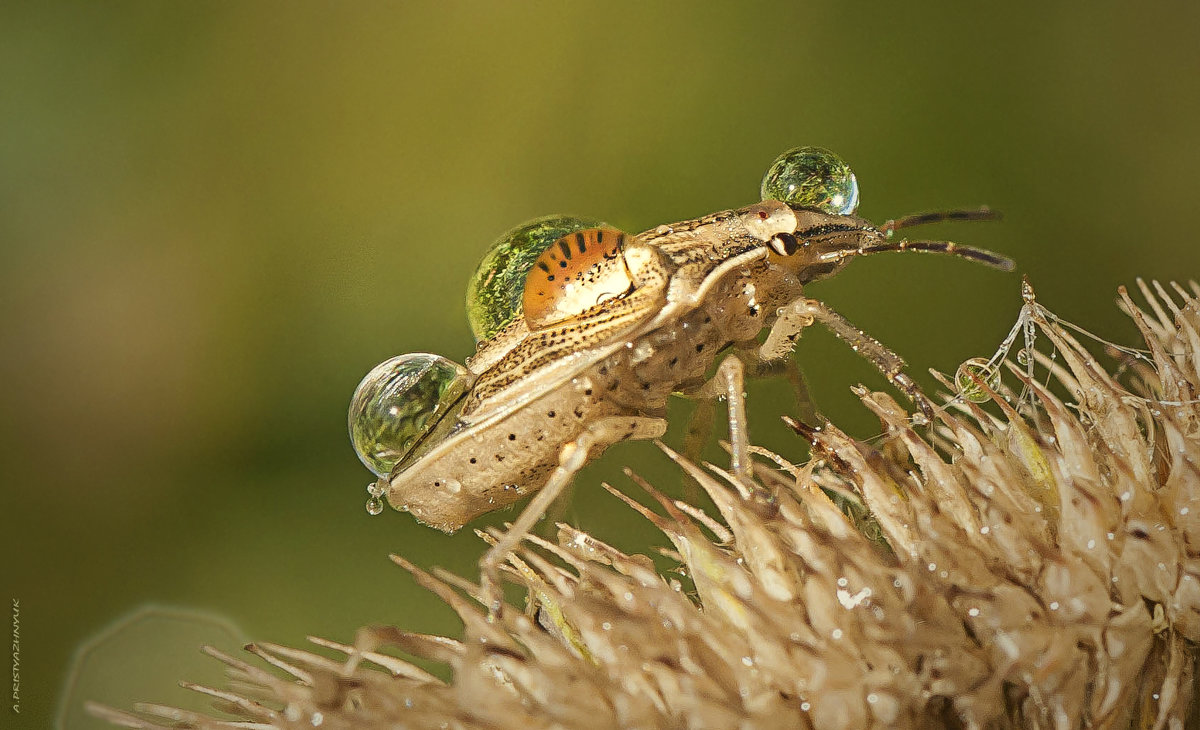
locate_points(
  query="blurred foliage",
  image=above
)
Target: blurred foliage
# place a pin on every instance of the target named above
(216, 217)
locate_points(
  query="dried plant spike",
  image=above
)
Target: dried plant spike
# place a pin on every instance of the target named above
(1035, 566)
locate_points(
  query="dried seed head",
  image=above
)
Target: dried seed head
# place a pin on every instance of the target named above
(1039, 569)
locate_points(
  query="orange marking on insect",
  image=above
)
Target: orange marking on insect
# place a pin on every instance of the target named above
(576, 273)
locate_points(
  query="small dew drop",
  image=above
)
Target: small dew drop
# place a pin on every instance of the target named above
(836, 634)
(316, 719)
(374, 506)
(805, 707)
(842, 582)
(872, 698)
(973, 612)
(747, 661)
(1184, 510)
(932, 567)
(984, 530)
(1054, 605)
(1091, 544)
(607, 626)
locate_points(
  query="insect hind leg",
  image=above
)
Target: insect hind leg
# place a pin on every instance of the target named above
(571, 458)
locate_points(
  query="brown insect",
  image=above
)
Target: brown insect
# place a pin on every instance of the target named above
(585, 333)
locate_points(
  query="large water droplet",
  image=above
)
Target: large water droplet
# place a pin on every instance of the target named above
(495, 292)
(374, 506)
(399, 402)
(812, 177)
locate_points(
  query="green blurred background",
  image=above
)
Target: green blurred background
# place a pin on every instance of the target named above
(216, 217)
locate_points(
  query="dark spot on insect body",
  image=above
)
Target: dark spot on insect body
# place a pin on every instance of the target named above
(473, 460)
(581, 242)
(645, 386)
(512, 437)
(1139, 533)
(599, 236)
(762, 214)
(700, 347)
(578, 412)
(707, 319)
(542, 265)
(499, 457)
(551, 414)
(551, 277)
(566, 250)
(673, 362)
(562, 264)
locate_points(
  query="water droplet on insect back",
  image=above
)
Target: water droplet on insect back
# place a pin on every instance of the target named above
(496, 290)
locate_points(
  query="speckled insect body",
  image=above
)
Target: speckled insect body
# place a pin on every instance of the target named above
(584, 333)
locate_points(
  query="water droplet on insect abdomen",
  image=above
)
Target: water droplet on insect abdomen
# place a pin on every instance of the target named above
(398, 403)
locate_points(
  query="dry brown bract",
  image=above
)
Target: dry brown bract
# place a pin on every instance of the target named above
(1033, 571)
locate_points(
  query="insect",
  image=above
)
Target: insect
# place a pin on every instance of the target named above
(585, 332)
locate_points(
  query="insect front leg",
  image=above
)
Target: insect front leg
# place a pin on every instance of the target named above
(571, 458)
(803, 312)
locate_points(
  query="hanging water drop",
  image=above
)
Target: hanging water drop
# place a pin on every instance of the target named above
(398, 403)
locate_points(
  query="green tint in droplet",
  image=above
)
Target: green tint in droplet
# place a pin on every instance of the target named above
(812, 177)
(968, 387)
(399, 402)
(495, 291)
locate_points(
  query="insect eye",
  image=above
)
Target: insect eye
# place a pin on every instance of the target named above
(398, 402)
(784, 244)
(812, 177)
(495, 292)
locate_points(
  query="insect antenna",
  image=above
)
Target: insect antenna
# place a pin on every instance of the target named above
(879, 239)
(983, 213)
(979, 255)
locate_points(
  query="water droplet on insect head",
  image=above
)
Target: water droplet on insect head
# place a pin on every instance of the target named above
(814, 178)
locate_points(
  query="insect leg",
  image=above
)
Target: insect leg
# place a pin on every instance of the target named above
(803, 312)
(787, 368)
(571, 459)
(729, 381)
